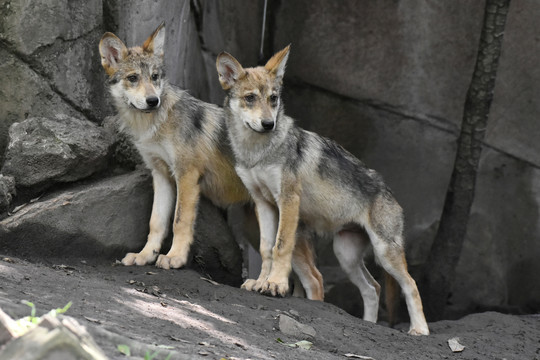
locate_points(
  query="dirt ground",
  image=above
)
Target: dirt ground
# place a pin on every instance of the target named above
(193, 318)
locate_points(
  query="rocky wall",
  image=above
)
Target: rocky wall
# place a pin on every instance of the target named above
(67, 185)
(385, 79)
(388, 81)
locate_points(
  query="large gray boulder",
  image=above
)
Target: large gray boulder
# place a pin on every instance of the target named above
(87, 220)
(23, 94)
(110, 217)
(49, 61)
(30, 25)
(43, 151)
(124, 152)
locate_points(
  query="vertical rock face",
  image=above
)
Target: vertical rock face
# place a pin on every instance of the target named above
(498, 266)
(43, 151)
(387, 80)
(391, 53)
(513, 124)
(134, 21)
(50, 61)
(29, 25)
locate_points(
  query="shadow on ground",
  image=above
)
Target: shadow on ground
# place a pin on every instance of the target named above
(192, 317)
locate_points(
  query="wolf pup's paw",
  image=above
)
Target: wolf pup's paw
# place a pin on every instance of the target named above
(139, 259)
(419, 331)
(275, 288)
(249, 285)
(170, 262)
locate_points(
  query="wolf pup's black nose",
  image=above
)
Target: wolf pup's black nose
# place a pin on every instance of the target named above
(152, 101)
(267, 124)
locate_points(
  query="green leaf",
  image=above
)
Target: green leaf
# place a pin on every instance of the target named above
(149, 356)
(64, 309)
(124, 349)
(33, 311)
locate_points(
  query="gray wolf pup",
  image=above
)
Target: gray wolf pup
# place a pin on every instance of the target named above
(183, 142)
(298, 177)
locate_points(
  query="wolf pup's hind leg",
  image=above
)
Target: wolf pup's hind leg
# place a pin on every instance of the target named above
(303, 264)
(349, 248)
(385, 230)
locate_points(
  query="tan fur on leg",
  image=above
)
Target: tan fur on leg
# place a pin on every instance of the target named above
(188, 192)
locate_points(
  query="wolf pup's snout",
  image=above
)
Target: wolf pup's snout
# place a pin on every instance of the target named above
(152, 101)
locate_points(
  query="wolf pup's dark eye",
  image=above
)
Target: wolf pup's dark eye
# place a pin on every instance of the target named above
(155, 77)
(249, 98)
(133, 78)
(273, 99)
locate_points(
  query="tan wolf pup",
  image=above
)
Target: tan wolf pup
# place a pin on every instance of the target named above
(183, 141)
(296, 176)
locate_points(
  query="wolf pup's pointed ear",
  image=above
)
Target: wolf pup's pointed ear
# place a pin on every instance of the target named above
(112, 51)
(229, 70)
(276, 64)
(155, 44)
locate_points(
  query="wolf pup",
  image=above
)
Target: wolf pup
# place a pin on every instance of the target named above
(183, 142)
(294, 175)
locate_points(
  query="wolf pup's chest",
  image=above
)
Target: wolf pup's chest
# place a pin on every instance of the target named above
(162, 150)
(262, 181)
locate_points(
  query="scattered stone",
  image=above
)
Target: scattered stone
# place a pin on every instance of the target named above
(291, 327)
(354, 356)
(156, 291)
(210, 281)
(454, 345)
(64, 338)
(92, 320)
(294, 313)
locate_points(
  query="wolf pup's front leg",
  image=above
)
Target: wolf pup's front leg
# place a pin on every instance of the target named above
(159, 220)
(187, 199)
(289, 206)
(268, 221)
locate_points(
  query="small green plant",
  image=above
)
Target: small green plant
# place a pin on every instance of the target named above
(28, 322)
(124, 349)
(32, 318)
(149, 356)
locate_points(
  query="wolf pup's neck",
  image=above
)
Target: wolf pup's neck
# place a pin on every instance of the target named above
(250, 147)
(141, 124)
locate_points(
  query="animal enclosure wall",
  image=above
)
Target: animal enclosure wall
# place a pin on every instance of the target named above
(386, 79)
